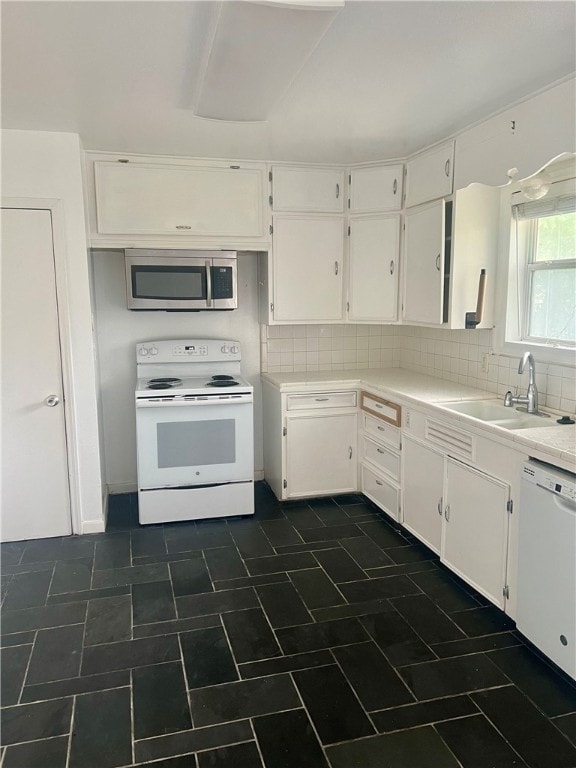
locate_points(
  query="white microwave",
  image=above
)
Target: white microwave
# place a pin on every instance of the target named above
(180, 280)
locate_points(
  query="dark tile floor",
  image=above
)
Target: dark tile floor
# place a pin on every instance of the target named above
(317, 634)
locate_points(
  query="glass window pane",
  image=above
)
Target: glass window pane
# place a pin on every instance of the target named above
(196, 443)
(552, 311)
(556, 238)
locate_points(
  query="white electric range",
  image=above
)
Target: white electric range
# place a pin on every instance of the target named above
(195, 433)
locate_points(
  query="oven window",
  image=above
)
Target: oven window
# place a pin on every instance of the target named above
(196, 443)
(178, 283)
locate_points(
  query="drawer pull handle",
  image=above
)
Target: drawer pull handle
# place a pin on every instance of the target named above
(337, 191)
(382, 429)
(447, 512)
(440, 507)
(350, 452)
(447, 167)
(322, 399)
(395, 186)
(377, 405)
(380, 450)
(438, 262)
(378, 482)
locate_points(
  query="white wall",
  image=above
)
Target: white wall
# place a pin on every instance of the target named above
(48, 165)
(118, 331)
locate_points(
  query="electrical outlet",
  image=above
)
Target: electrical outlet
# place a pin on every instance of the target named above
(485, 361)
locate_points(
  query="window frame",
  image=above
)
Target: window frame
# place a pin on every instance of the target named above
(507, 340)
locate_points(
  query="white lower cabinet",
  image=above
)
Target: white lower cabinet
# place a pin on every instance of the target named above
(460, 512)
(310, 441)
(475, 529)
(423, 488)
(320, 454)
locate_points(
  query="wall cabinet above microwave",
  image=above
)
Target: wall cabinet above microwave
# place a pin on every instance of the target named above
(170, 202)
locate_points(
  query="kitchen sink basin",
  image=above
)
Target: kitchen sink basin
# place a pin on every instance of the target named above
(494, 412)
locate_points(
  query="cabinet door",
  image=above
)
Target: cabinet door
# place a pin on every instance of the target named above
(424, 264)
(475, 532)
(140, 199)
(321, 454)
(308, 253)
(373, 273)
(376, 188)
(422, 502)
(429, 175)
(317, 190)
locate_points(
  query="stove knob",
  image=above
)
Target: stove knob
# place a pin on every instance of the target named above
(153, 350)
(225, 349)
(234, 350)
(143, 351)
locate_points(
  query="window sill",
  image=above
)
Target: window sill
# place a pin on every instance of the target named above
(543, 353)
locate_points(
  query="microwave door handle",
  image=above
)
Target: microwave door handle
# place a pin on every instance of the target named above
(208, 265)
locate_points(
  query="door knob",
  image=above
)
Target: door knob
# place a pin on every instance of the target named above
(52, 400)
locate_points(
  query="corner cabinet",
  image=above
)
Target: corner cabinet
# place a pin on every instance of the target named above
(374, 244)
(165, 201)
(309, 442)
(429, 175)
(447, 243)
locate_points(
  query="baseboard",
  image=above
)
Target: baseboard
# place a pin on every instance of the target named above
(93, 526)
(116, 488)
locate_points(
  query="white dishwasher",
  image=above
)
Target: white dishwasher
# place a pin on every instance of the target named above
(547, 562)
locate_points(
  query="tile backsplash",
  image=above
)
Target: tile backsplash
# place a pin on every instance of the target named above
(465, 357)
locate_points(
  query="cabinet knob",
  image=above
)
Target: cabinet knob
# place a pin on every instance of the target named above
(350, 452)
(395, 186)
(447, 512)
(336, 267)
(440, 507)
(447, 167)
(52, 400)
(392, 267)
(337, 191)
(438, 262)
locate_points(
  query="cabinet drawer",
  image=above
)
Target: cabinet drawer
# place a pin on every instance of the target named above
(381, 430)
(383, 409)
(384, 458)
(321, 400)
(384, 493)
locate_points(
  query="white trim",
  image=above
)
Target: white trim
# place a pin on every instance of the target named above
(549, 354)
(93, 526)
(56, 208)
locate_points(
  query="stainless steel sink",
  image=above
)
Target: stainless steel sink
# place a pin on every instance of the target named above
(494, 412)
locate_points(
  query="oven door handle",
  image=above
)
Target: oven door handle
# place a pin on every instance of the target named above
(185, 402)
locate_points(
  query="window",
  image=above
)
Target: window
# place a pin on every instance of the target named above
(545, 244)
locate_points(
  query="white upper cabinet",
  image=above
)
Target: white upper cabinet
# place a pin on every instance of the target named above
(429, 175)
(424, 264)
(447, 244)
(373, 268)
(307, 189)
(164, 203)
(376, 188)
(307, 268)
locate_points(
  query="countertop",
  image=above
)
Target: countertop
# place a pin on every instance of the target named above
(556, 444)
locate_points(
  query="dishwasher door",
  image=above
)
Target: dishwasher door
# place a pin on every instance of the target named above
(547, 563)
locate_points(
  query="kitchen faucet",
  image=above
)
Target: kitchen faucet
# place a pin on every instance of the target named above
(530, 399)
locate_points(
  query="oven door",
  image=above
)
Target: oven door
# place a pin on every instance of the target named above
(194, 443)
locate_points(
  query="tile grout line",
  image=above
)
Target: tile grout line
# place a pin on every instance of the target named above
(312, 724)
(71, 734)
(132, 719)
(19, 701)
(363, 708)
(334, 584)
(256, 742)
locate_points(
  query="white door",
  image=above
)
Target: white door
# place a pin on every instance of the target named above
(373, 274)
(475, 533)
(317, 190)
(424, 264)
(376, 188)
(321, 454)
(144, 199)
(35, 491)
(429, 175)
(308, 255)
(423, 480)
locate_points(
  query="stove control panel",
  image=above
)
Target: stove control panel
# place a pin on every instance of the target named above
(196, 350)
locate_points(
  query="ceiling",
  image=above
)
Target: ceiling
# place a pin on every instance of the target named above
(386, 79)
